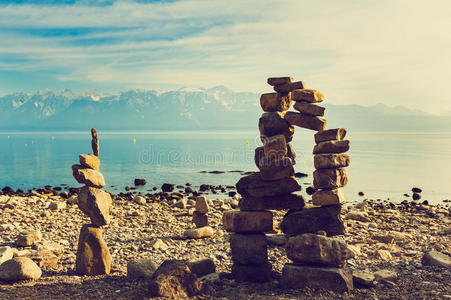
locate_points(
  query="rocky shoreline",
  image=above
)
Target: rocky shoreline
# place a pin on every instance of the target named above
(385, 238)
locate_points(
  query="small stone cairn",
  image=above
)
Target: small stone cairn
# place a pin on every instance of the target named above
(318, 259)
(93, 256)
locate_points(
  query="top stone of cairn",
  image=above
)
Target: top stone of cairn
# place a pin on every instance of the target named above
(94, 142)
(279, 80)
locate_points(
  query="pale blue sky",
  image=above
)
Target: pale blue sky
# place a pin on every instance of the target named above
(394, 52)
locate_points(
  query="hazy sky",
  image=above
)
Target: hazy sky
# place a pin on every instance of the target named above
(361, 51)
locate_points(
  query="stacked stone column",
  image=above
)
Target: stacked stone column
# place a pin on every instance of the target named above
(318, 260)
(269, 189)
(93, 256)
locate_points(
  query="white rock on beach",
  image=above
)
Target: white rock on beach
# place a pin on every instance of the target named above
(6, 253)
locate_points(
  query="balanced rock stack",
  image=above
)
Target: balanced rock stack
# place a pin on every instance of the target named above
(200, 217)
(93, 256)
(270, 189)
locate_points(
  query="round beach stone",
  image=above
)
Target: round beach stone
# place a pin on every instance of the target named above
(19, 268)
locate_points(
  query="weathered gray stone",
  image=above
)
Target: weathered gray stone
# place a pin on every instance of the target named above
(328, 197)
(330, 135)
(276, 169)
(252, 273)
(288, 87)
(332, 147)
(334, 279)
(312, 220)
(279, 80)
(173, 279)
(93, 256)
(202, 267)
(385, 274)
(329, 178)
(96, 204)
(140, 268)
(199, 233)
(309, 248)
(276, 239)
(249, 249)
(306, 121)
(281, 202)
(363, 278)
(202, 205)
(19, 268)
(309, 109)
(260, 153)
(273, 123)
(89, 161)
(435, 258)
(45, 259)
(275, 147)
(247, 221)
(331, 161)
(254, 186)
(87, 176)
(275, 102)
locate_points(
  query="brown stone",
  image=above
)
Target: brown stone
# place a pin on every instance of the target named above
(275, 147)
(307, 95)
(328, 197)
(332, 147)
(275, 102)
(96, 204)
(299, 277)
(330, 134)
(260, 153)
(329, 178)
(87, 176)
(19, 268)
(309, 108)
(282, 202)
(45, 259)
(289, 87)
(249, 249)
(273, 123)
(202, 267)
(291, 154)
(254, 186)
(328, 161)
(252, 273)
(313, 249)
(174, 280)
(200, 219)
(89, 161)
(247, 221)
(314, 219)
(279, 80)
(275, 169)
(93, 256)
(306, 121)
(140, 268)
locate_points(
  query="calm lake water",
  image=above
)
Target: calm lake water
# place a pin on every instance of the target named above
(383, 165)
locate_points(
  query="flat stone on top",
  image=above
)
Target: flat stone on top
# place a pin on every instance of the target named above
(289, 87)
(279, 80)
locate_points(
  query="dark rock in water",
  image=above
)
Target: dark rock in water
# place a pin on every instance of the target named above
(416, 196)
(140, 181)
(334, 279)
(127, 188)
(180, 186)
(231, 194)
(204, 187)
(188, 190)
(236, 171)
(7, 190)
(406, 195)
(252, 273)
(361, 194)
(311, 220)
(216, 172)
(248, 173)
(174, 280)
(310, 190)
(154, 188)
(20, 191)
(188, 184)
(300, 174)
(416, 190)
(167, 187)
(57, 188)
(48, 187)
(64, 195)
(203, 172)
(425, 202)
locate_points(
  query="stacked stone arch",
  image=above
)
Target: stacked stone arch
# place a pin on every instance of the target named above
(318, 258)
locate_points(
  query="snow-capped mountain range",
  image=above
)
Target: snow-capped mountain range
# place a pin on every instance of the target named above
(217, 108)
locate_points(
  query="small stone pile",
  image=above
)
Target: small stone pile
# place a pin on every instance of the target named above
(93, 256)
(316, 257)
(200, 219)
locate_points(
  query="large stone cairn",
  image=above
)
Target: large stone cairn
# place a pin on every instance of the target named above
(93, 256)
(318, 259)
